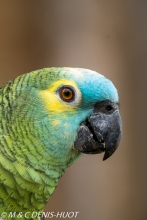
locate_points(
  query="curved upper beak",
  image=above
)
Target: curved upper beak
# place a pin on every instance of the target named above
(99, 133)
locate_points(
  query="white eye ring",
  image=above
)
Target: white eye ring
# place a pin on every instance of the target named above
(69, 95)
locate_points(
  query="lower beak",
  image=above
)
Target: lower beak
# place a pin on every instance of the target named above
(99, 133)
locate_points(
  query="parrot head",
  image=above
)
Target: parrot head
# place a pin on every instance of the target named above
(65, 111)
(78, 112)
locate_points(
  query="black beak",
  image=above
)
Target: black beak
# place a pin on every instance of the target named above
(101, 132)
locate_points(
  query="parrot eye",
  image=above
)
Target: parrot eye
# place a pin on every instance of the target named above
(67, 93)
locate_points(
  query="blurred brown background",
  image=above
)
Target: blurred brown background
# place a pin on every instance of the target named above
(111, 38)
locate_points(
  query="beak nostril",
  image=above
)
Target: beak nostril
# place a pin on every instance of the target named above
(109, 108)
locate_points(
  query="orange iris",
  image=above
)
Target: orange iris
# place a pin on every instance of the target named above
(67, 94)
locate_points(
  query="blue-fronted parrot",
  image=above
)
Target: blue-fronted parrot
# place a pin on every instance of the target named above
(48, 119)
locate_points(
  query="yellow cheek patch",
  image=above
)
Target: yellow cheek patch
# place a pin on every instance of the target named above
(52, 101)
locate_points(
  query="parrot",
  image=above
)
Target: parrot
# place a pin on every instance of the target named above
(48, 119)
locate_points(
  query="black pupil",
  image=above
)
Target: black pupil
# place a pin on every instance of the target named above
(67, 92)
